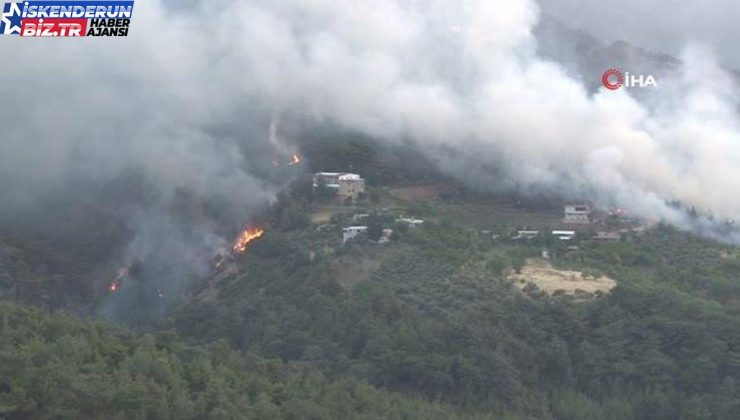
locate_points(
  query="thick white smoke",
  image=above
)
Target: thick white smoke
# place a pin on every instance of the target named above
(446, 73)
(465, 74)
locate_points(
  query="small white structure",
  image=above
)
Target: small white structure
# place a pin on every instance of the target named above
(385, 236)
(360, 216)
(526, 234)
(350, 233)
(346, 184)
(577, 214)
(330, 179)
(410, 221)
(564, 235)
(608, 236)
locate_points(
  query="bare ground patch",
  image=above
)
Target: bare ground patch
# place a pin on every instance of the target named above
(421, 192)
(323, 213)
(553, 281)
(321, 217)
(349, 270)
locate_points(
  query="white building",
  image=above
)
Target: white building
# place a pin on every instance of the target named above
(385, 236)
(350, 185)
(352, 232)
(526, 234)
(346, 184)
(360, 216)
(577, 214)
(410, 221)
(564, 235)
(608, 236)
(330, 179)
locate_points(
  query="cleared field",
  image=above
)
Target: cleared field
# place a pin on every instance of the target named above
(323, 214)
(486, 216)
(551, 281)
(421, 192)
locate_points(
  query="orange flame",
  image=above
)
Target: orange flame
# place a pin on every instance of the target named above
(116, 283)
(247, 236)
(294, 160)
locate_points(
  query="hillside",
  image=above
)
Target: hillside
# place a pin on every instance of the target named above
(432, 314)
(57, 366)
(446, 319)
(400, 209)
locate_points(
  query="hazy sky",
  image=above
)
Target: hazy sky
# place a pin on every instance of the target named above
(659, 25)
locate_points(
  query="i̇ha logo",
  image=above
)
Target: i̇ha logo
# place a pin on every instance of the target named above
(614, 79)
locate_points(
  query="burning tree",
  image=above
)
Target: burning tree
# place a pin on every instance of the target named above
(115, 284)
(248, 235)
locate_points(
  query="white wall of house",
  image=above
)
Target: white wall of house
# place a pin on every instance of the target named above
(577, 213)
(352, 232)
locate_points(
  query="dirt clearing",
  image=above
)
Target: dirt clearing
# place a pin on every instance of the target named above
(553, 281)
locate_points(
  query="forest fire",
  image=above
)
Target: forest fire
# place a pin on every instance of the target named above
(295, 159)
(115, 285)
(247, 236)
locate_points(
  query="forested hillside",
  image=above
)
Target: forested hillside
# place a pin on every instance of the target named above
(437, 322)
(59, 367)
(438, 319)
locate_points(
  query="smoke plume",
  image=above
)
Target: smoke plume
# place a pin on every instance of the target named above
(190, 103)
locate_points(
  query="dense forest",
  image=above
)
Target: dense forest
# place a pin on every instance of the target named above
(427, 325)
(438, 320)
(58, 366)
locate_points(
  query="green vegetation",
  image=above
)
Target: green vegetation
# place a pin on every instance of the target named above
(666, 257)
(438, 320)
(59, 367)
(424, 326)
